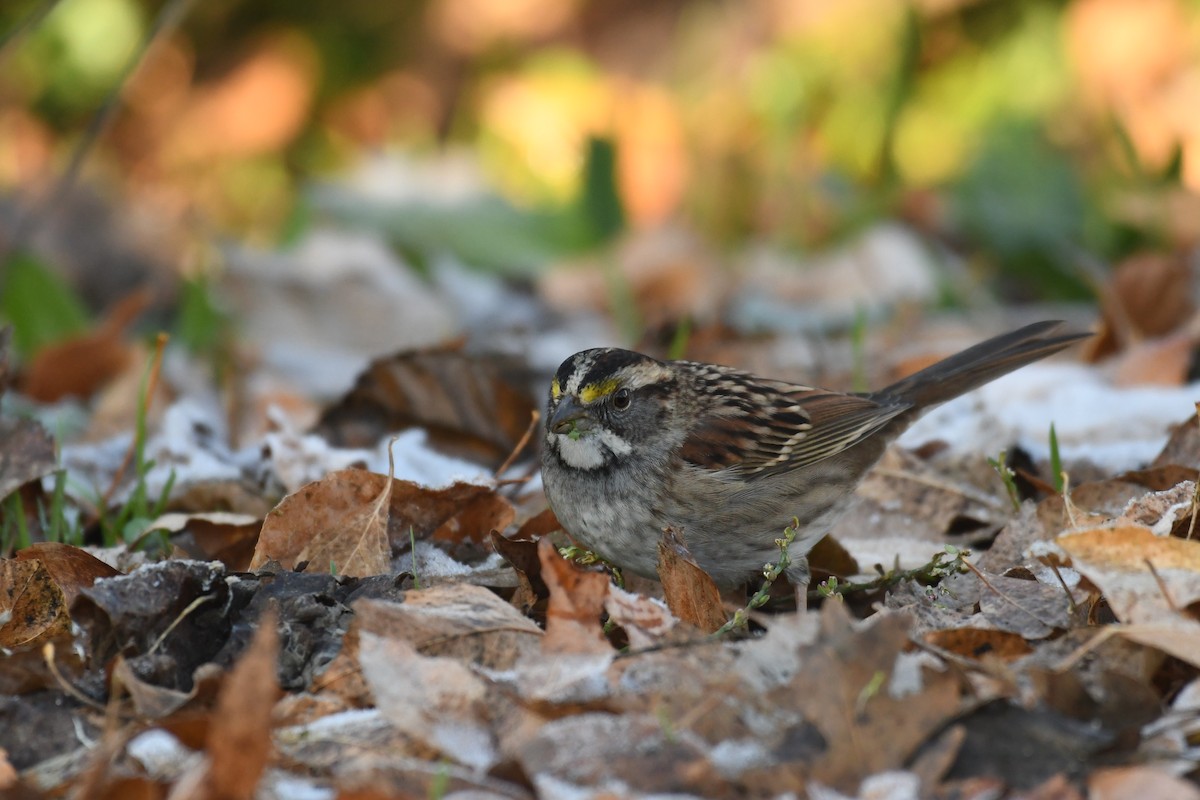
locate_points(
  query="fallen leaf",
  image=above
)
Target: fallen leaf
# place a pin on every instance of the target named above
(644, 621)
(1182, 447)
(239, 738)
(1025, 747)
(457, 620)
(218, 536)
(438, 701)
(853, 725)
(1127, 564)
(460, 621)
(157, 702)
(1148, 295)
(461, 515)
(977, 643)
(1179, 638)
(576, 602)
(1120, 783)
(473, 405)
(315, 523)
(72, 568)
(79, 366)
(8, 775)
(168, 618)
(522, 556)
(1029, 608)
(26, 454)
(689, 591)
(337, 524)
(33, 608)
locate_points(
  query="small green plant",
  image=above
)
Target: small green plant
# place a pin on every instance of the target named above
(1000, 464)
(130, 522)
(1056, 467)
(771, 572)
(55, 521)
(14, 534)
(586, 558)
(679, 340)
(950, 560)
(858, 346)
(440, 782)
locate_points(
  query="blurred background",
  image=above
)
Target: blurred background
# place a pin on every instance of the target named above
(1023, 148)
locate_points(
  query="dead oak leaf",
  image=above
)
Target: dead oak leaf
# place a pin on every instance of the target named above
(855, 725)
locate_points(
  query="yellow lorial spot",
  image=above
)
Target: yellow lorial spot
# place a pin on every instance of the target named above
(555, 389)
(596, 391)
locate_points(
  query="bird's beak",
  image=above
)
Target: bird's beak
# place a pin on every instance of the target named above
(569, 417)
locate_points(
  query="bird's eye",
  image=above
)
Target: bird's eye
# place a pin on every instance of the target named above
(620, 399)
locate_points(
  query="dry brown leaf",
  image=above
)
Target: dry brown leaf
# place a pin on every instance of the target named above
(157, 702)
(81, 365)
(1179, 638)
(461, 515)
(1028, 608)
(689, 591)
(239, 738)
(522, 556)
(71, 567)
(218, 536)
(1121, 783)
(460, 621)
(1145, 578)
(1182, 447)
(339, 523)
(26, 454)
(977, 643)
(576, 602)
(437, 701)
(1159, 362)
(644, 621)
(1149, 295)
(33, 608)
(472, 405)
(8, 775)
(842, 692)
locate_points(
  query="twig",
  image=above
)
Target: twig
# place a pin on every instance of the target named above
(983, 579)
(1063, 582)
(535, 416)
(1162, 586)
(67, 686)
(192, 606)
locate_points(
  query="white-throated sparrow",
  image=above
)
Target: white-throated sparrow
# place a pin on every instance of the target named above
(634, 444)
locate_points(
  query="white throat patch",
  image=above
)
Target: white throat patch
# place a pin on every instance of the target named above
(591, 449)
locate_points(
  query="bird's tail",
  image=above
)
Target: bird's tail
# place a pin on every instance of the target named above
(975, 366)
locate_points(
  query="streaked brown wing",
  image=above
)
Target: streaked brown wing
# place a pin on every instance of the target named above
(791, 430)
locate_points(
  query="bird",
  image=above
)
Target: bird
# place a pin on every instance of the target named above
(634, 445)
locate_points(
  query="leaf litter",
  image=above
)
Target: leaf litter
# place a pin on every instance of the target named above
(314, 622)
